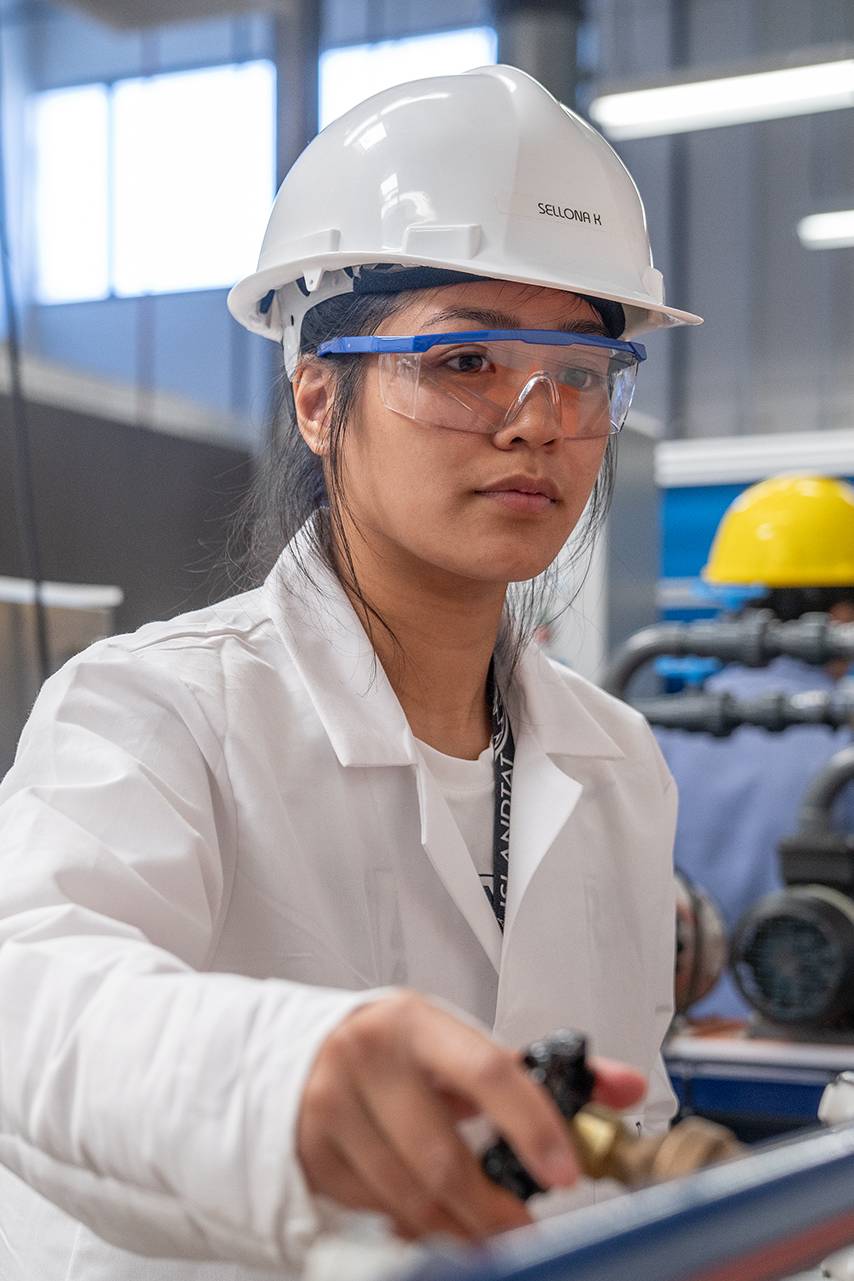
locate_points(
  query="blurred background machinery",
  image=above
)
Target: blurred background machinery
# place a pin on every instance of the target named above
(791, 952)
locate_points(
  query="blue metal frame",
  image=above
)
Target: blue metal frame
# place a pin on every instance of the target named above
(792, 1101)
(422, 342)
(774, 1212)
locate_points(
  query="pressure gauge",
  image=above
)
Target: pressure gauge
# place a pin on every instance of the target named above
(793, 957)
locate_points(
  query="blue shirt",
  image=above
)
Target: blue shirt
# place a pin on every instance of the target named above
(739, 796)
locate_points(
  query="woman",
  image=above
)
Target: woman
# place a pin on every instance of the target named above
(248, 970)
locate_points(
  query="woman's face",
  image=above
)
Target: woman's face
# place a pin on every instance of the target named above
(422, 492)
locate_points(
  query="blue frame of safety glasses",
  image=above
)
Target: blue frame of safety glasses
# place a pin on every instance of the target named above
(422, 342)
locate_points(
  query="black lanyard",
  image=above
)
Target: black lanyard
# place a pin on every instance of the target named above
(503, 753)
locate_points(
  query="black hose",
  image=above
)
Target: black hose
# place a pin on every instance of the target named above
(754, 640)
(818, 802)
(720, 713)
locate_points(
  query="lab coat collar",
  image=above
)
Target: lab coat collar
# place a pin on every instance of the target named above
(330, 650)
(354, 700)
(546, 706)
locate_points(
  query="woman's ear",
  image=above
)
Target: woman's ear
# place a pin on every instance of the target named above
(313, 391)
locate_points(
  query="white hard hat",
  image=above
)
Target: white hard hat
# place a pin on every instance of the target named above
(483, 173)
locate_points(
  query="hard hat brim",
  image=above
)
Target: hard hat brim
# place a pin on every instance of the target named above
(245, 297)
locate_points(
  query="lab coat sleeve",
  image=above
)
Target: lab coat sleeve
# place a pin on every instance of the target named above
(152, 1100)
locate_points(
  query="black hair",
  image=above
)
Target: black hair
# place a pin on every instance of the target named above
(293, 487)
(789, 603)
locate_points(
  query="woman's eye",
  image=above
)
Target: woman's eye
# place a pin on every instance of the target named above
(580, 379)
(467, 362)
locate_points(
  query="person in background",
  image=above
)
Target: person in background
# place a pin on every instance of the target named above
(792, 539)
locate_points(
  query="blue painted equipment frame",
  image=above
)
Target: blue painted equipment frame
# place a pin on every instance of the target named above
(776, 1211)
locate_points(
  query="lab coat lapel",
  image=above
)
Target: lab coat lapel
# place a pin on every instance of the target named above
(447, 851)
(333, 656)
(542, 802)
(548, 720)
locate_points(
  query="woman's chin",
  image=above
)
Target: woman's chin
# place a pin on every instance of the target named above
(514, 560)
(492, 567)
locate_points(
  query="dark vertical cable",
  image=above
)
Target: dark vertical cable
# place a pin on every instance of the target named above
(238, 381)
(110, 89)
(24, 487)
(146, 303)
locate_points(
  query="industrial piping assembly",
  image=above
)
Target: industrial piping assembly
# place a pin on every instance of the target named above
(753, 641)
(792, 953)
(720, 713)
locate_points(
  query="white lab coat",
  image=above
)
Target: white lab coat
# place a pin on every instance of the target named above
(218, 839)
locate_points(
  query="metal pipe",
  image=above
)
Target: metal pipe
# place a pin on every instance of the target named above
(719, 713)
(297, 40)
(541, 37)
(754, 640)
(776, 1211)
(825, 787)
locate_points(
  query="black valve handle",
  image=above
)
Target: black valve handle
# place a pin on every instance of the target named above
(559, 1063)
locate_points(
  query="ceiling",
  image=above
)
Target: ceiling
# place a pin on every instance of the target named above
(135, 14)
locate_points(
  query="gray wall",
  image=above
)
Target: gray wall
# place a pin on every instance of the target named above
(118, 504)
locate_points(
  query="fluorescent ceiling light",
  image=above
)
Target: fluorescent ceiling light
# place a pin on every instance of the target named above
(827, 230)
(726, 100)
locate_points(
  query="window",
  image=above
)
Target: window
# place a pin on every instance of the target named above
(350, 74)
(153, 185)
(71, 197)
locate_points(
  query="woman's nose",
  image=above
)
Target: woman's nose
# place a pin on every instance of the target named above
(535, 415)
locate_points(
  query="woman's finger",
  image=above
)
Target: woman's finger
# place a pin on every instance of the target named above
(617, 1084)
(455, 1056)
(416, 1124)
(362, 1145)
(459, 1109)
(346, 1186)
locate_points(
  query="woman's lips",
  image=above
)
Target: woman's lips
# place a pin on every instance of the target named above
(517, 501)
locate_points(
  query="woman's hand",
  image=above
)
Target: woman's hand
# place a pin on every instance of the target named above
(377, 1122)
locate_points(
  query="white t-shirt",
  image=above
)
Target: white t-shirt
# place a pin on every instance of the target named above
(468, 787)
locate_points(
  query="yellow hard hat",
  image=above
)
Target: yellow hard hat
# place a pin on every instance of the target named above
(789, 531)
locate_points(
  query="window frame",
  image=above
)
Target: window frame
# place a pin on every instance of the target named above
(110, 85)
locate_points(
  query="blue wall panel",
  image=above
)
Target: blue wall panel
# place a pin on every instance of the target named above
(689, 518)
(95, 337)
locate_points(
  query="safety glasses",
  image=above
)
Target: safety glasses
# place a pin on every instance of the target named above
(479, 381)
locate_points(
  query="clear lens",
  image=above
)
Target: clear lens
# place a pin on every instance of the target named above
(478, 386)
